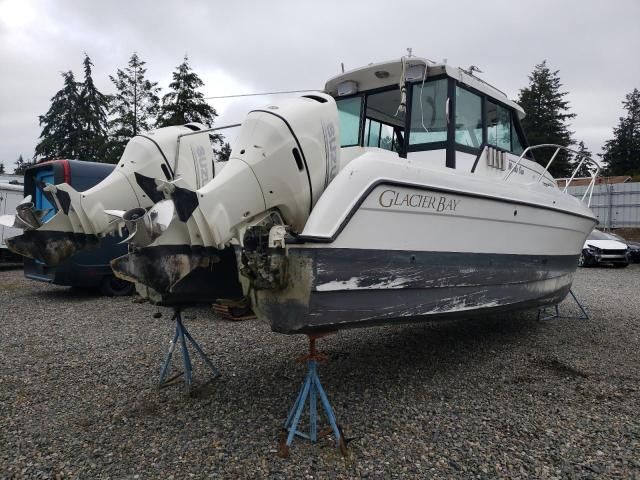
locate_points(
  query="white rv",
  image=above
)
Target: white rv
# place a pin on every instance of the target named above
(10, 196)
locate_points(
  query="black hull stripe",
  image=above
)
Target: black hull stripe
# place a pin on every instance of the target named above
(321, 324)
(363, 197)
(369, 268)
(356, 288)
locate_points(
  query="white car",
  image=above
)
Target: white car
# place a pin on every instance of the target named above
(601, 248)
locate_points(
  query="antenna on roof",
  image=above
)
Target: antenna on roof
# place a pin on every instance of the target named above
(472, 69)
(342, 66)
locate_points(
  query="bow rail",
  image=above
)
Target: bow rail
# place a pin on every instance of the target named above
(585, 160)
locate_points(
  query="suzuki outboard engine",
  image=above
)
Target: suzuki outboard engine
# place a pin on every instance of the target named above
(284, 157)
(165, 153)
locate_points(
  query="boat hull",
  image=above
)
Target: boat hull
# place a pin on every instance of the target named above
(391, 242)
(337, 288)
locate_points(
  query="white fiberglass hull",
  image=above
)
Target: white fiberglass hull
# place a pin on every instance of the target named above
(405, 251)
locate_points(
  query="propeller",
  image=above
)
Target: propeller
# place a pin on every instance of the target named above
(26, 216)
(144, 226)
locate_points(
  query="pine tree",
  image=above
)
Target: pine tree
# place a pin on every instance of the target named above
(185, 104)
(585, 169)
(60, 137)
(92, 116)
(134, 107)
(21, 166)
(622, 153)
(75, 126)
(547, 113)
(1, 168)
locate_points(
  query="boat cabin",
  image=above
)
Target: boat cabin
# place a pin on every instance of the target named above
(419, 109)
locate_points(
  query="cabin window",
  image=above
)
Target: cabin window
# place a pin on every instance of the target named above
(375, 120)
(468, 118)
(349, 118)
(501, 128)
(381, 135)
(428, 112)
(372, 133)
(498, 126)
(384, 122)
(516, 145)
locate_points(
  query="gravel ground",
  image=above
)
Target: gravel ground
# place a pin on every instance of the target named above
(497, 397)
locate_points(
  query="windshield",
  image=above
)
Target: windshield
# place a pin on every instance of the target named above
(598, 235)
(468, 121)
(617, 237)
(428, 112)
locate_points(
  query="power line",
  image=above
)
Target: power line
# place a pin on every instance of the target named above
(259, 94)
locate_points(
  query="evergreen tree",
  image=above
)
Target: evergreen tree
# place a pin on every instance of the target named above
(585, 169)
(134, 107)
(224, 153)
(75, 126)
(92, 116)
(1, 168)
(184, 103)
(21, 165)
(547, 113)
(60, 137)
(622, 152)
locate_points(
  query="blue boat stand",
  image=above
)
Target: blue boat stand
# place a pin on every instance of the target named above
(182, 335)
(311, 388)
(544, 314)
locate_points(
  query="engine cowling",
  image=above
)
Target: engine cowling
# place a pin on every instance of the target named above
(284, 157)
(165, 153)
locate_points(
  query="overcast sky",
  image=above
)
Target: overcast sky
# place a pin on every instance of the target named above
(258, 46)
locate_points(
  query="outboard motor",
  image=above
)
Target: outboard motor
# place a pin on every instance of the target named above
(284, 157)
(81, 217)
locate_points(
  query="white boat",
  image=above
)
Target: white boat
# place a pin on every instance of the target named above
(405, 191)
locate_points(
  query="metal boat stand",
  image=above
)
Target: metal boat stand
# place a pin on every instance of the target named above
(544, 314)
(182, 335)
(310, 388)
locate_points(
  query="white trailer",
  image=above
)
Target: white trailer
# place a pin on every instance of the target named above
(10, 196)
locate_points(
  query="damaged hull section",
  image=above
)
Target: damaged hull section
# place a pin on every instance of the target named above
(51, 247)
(336, 288)
(180, 274)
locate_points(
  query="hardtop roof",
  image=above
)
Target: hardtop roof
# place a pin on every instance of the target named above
(366, 78)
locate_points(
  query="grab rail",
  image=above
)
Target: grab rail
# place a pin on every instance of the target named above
(585, 158)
